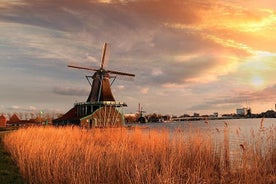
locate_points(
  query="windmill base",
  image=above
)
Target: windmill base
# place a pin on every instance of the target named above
(94, 115)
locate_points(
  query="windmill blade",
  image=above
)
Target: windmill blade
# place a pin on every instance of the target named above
(105, 55)
(120, 73)
(122, 77)
(83, 68)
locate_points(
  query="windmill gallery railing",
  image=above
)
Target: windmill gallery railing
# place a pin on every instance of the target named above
(109, 103)
(85, 108)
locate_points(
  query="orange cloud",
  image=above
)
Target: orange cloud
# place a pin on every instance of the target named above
(144, 90)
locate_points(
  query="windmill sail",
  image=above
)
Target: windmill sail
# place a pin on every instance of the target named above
(121, 73)
(83, 68)
(104, 60)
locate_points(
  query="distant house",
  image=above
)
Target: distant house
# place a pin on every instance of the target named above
(14, 120)
(242, 111)
(3, 121)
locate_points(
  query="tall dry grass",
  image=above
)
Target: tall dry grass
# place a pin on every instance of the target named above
(72, 155)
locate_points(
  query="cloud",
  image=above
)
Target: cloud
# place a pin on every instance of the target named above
(156, 72)
(238, 99)
(21, 108)
(121, 87)
(175, 47)
(14, 107)
(32, 108)
(144, 90)
(71, 91)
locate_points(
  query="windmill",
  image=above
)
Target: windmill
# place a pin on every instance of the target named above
(100, 108)
(100, 81)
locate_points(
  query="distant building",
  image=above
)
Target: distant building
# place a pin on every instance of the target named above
(14, 120)
(242, 111)
(184, 115)
(130, 118)
(3, 121)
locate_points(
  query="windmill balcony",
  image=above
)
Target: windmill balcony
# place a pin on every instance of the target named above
(102, 103)
(86, 108)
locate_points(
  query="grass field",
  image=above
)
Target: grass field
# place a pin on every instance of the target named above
(73, 155)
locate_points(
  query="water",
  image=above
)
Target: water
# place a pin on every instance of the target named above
(240, 130)
(239, 133)
(242, 127)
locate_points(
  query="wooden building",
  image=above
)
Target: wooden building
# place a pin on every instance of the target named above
(3, 121)
(14, 120)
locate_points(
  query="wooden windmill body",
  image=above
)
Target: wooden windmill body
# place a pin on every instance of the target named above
(100, 108)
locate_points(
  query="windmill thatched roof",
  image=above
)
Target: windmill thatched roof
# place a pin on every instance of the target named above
(70, 115)
(101, 90)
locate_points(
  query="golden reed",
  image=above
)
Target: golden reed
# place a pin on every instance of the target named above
(73, 155)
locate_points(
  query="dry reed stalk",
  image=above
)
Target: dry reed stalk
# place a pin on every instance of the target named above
(258, 158)
(72, 155)
(226, 149)
(262, 124)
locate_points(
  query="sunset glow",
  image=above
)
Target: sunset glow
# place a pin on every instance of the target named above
(257, 81)
(188, 56)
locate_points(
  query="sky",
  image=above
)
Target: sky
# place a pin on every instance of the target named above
(188, 56)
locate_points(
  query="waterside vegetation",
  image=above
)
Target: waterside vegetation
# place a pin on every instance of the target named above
(133, 155)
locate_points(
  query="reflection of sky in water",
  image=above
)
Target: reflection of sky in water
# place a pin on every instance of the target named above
(245, 132)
